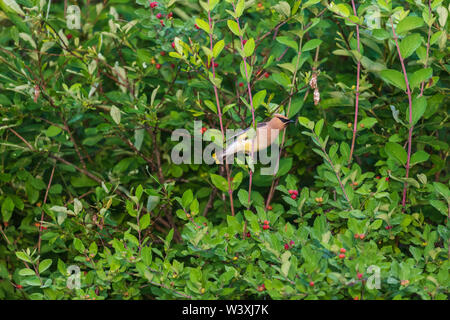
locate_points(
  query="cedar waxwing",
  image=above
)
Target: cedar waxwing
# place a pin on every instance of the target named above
(266, 134)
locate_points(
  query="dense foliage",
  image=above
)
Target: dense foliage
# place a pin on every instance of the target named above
(87, 181)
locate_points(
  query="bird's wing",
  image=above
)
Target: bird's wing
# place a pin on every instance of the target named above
(241, 135)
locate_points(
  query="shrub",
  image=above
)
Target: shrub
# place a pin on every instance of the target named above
(89, 192)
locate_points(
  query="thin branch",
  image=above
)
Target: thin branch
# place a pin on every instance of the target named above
(219, 110)
(358, 72)
(411, 127)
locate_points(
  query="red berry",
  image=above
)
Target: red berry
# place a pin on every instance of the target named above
(343, 250)
(196, 26)
(341, 256)
(266, 74)
(311, 283)
(241, 84)
(162, 53)
(153, 4)
(162, 22)
(248, 235)
(19, 286)
(295, 192)
(244, 42)
(269, 208)
(362, 236)
(356, 298)
(291, 191)
(69, 36)
(266, 226)
(158, 15)
(387, 179)
(359, 275)
(356, 236)
(291, 243)
(158, 66)
(172, 65)
(293, 196)
(170, 15)
(286, 246)
(173, 45)
(203, 130)
(216, 64)
(266, 222)
(378, 177)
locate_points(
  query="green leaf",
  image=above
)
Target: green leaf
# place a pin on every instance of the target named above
(7, 208)
(218, 47)
(376, 224)
(237, 179)
(23, 256)
(396, 151)
(283, 8)
(234, 27)
(306, 122)
(144, 222)
(287, 41)
(258, 98)
(52, 131)
(418, 157)
(409, 23)
(26, 272)
(202, 24)
(187, 198)
(419, 105)
(394, 77)
(115, 114)
(78, 245)
(44, 265)
(318, 127)
(220, 182)
(367, 123)
(240, 8)
(243, 197)
(311, 44)
(410, 44)
(420, 76)
(249, 47)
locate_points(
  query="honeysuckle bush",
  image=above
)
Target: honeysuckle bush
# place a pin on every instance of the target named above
(93, 206)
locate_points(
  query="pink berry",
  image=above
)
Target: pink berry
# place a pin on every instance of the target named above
(359, 275)
(341, 256)
(293, 196)
(173, 45)
(286, 246)
(343, 250)
(153, 4)
(159, 15)
(311, 283)
(266, 226)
